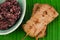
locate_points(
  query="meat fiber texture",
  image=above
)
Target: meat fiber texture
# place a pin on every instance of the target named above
(42, 15)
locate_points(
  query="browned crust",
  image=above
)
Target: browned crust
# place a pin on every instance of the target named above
(42, 15)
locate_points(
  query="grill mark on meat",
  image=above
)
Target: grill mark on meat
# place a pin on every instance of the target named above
(41, 18)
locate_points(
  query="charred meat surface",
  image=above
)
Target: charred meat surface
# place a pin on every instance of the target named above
(42, 15)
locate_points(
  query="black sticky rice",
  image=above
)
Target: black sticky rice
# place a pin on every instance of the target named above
(9, 13)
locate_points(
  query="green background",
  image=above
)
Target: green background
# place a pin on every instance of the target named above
(53, 29)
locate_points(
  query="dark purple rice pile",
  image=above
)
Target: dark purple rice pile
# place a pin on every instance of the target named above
(9, 13)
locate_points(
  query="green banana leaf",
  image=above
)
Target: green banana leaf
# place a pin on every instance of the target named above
(53, 29)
